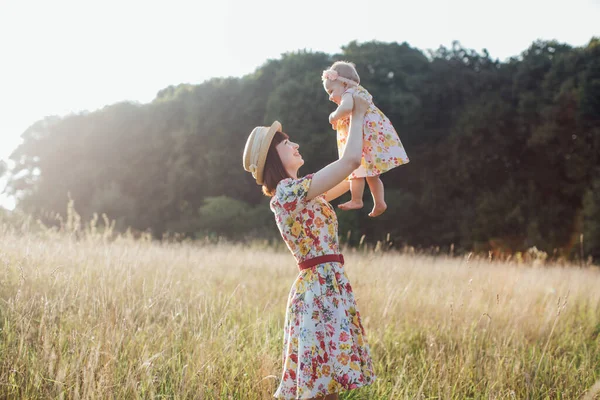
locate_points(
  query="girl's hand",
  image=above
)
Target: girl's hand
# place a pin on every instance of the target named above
(360, 105)
(331, 120)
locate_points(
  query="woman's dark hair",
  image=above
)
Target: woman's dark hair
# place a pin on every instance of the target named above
(274, 172)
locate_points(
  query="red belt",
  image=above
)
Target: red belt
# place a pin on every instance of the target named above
(320, 260)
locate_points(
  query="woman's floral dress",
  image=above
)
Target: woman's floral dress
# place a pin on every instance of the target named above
(382, 148)
(325, 348)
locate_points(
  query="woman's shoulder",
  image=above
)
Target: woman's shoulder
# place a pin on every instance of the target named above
(291, 190)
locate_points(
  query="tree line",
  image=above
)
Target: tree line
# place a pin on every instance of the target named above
(503, 154)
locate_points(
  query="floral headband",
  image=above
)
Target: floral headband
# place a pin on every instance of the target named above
(333, 75)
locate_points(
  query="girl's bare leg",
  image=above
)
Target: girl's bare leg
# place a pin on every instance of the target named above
(357, 188)
(376, 187)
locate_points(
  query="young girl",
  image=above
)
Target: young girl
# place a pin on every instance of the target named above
(382, 149)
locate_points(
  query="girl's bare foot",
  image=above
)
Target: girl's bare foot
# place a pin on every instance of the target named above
(378, 209)
(351, 205)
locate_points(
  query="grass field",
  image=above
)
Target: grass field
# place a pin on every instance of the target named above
(133, 319)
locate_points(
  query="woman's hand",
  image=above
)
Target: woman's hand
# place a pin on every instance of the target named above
(332, 175)
(361, 106)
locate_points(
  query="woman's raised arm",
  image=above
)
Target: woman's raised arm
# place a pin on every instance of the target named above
(331, 175)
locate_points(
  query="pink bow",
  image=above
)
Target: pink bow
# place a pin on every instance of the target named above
(333, 75)
(330, 74)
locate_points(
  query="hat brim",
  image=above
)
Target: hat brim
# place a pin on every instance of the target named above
(263, 149)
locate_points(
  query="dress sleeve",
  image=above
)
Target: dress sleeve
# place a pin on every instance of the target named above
(291, 193)
(350, 90)
(365, 95)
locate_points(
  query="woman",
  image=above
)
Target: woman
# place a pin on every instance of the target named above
(325, 348)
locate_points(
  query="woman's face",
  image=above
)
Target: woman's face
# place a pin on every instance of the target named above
(290, 156)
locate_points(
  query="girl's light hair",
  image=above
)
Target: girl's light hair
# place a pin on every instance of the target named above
(347, 70)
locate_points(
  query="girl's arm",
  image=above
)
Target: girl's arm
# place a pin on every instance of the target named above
(344, 109)
(330, 176)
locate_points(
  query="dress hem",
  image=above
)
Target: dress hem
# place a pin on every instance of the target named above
(328, 393)
(367, 175)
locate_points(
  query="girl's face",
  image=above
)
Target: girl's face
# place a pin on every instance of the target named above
(290, 156)
(334, 89)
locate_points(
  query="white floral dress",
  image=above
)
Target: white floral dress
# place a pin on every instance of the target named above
(382, 148)
(324, 348)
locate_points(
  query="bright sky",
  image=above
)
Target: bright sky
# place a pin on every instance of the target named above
(63, 56)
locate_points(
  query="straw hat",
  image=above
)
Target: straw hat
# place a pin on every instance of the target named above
(257, 146)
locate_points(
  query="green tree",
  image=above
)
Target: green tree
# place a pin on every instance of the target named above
(501, 152)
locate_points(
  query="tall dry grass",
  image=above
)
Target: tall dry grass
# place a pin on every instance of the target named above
(93, 318)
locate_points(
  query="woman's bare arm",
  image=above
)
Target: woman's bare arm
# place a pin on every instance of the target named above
(338, 190)
(330, 176)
